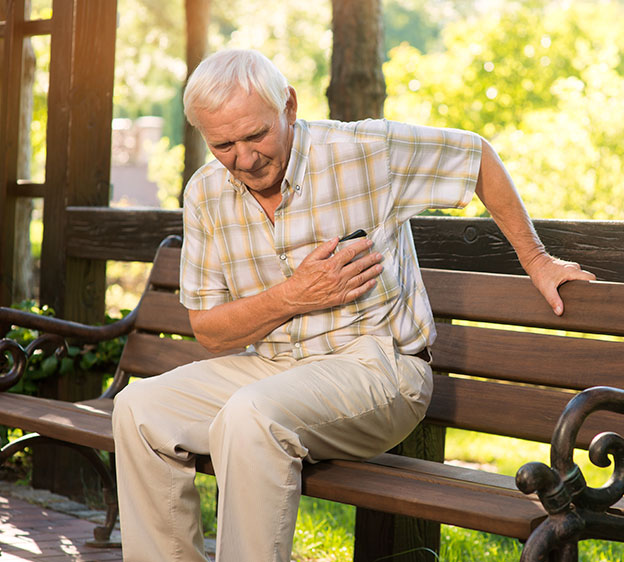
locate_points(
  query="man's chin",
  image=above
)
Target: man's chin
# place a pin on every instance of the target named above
(263, 184)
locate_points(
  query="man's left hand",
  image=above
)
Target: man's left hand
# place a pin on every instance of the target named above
(549, 273)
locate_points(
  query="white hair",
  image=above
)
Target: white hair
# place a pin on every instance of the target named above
(219, 75)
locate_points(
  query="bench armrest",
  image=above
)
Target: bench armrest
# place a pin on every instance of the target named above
(65, 328)
(20, 356)
(575, 510)
(54, 331)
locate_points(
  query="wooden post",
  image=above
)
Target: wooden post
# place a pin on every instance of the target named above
(78, 149)
(80, 106)
(10, 94)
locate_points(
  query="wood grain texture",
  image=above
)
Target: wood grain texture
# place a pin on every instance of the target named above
(455, 503)
(57, 419)
(119, 234)
(541, 359)
(147, 355)
(590, 306)
(165, 273)
(478, 245)
(162, 312)
(527, 412)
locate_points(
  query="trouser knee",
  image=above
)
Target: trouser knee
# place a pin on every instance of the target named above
(250, 419)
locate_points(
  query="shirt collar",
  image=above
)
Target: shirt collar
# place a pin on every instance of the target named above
(298, 162)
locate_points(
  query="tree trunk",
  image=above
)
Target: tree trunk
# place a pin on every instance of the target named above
(357, 87)
(357, 91)
(197, 20)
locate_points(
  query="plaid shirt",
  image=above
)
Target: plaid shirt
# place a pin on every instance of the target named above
(373, 175)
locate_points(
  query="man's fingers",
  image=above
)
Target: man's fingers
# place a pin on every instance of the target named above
(554, 300)
(347, 254)
(360, 290)
(324, 250)
(583, 275)
(563, 272)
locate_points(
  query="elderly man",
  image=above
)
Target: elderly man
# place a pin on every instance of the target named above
(299, 271)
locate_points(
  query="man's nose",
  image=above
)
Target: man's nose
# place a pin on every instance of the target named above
(246, 157)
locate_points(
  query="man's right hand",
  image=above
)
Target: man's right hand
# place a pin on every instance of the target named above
(322, 280)
(325, 279)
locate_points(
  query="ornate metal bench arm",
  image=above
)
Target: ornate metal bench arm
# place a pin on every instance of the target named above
(575, 510)
(20, 356)
(564, 439)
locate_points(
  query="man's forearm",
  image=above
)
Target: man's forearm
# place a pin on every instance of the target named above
(234, 325)
(498, 193)
(496, 190)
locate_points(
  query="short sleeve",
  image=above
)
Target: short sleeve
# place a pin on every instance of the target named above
(202, 284)
(432, 168)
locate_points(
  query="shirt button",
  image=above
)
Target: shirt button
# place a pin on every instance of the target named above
(297, 188)
(282, 256)
(297, 345)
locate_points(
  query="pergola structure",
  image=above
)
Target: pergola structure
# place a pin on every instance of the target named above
(78, 145)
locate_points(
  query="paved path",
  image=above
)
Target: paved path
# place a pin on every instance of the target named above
(31, 532)
(36, 525)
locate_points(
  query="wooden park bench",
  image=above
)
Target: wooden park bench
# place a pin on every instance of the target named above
(490, 377)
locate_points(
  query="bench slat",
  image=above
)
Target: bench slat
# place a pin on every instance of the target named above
(476, 507)
(509, 409)
(146, 355)
(543, 359)
(66, 421)
(166, 269)
(162, 312)
(594, 307)
(425, 489)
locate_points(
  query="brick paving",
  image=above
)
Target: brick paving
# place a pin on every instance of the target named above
(31, 532)
(36, 525)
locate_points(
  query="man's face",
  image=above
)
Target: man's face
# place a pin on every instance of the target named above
(251, 139)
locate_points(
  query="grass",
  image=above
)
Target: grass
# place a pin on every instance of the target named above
(324, 530)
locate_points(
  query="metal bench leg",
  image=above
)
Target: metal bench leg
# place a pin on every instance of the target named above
(101, 533)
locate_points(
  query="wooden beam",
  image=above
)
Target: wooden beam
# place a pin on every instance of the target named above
(37, 27)
(442, 242)
(119, 234)
(27, 188)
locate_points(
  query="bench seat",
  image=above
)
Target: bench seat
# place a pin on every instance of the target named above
(391, 483)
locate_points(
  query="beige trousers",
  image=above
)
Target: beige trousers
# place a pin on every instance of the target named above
(259, 419)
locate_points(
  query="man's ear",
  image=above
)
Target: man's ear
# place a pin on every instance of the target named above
(291, 106)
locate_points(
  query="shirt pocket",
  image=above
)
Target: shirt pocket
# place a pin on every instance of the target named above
(387, 287)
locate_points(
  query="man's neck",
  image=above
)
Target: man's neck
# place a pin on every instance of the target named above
(269, 200)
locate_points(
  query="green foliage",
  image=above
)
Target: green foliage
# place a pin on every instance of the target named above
(102, 356)
(544, 82)
(410, 21)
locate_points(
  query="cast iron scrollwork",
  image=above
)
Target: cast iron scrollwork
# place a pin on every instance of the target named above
(575, 510)
(20, 356)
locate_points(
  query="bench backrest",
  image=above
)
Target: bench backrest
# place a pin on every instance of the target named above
(502, 380)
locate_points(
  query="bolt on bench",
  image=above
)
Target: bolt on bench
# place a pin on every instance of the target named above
(490, 377)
